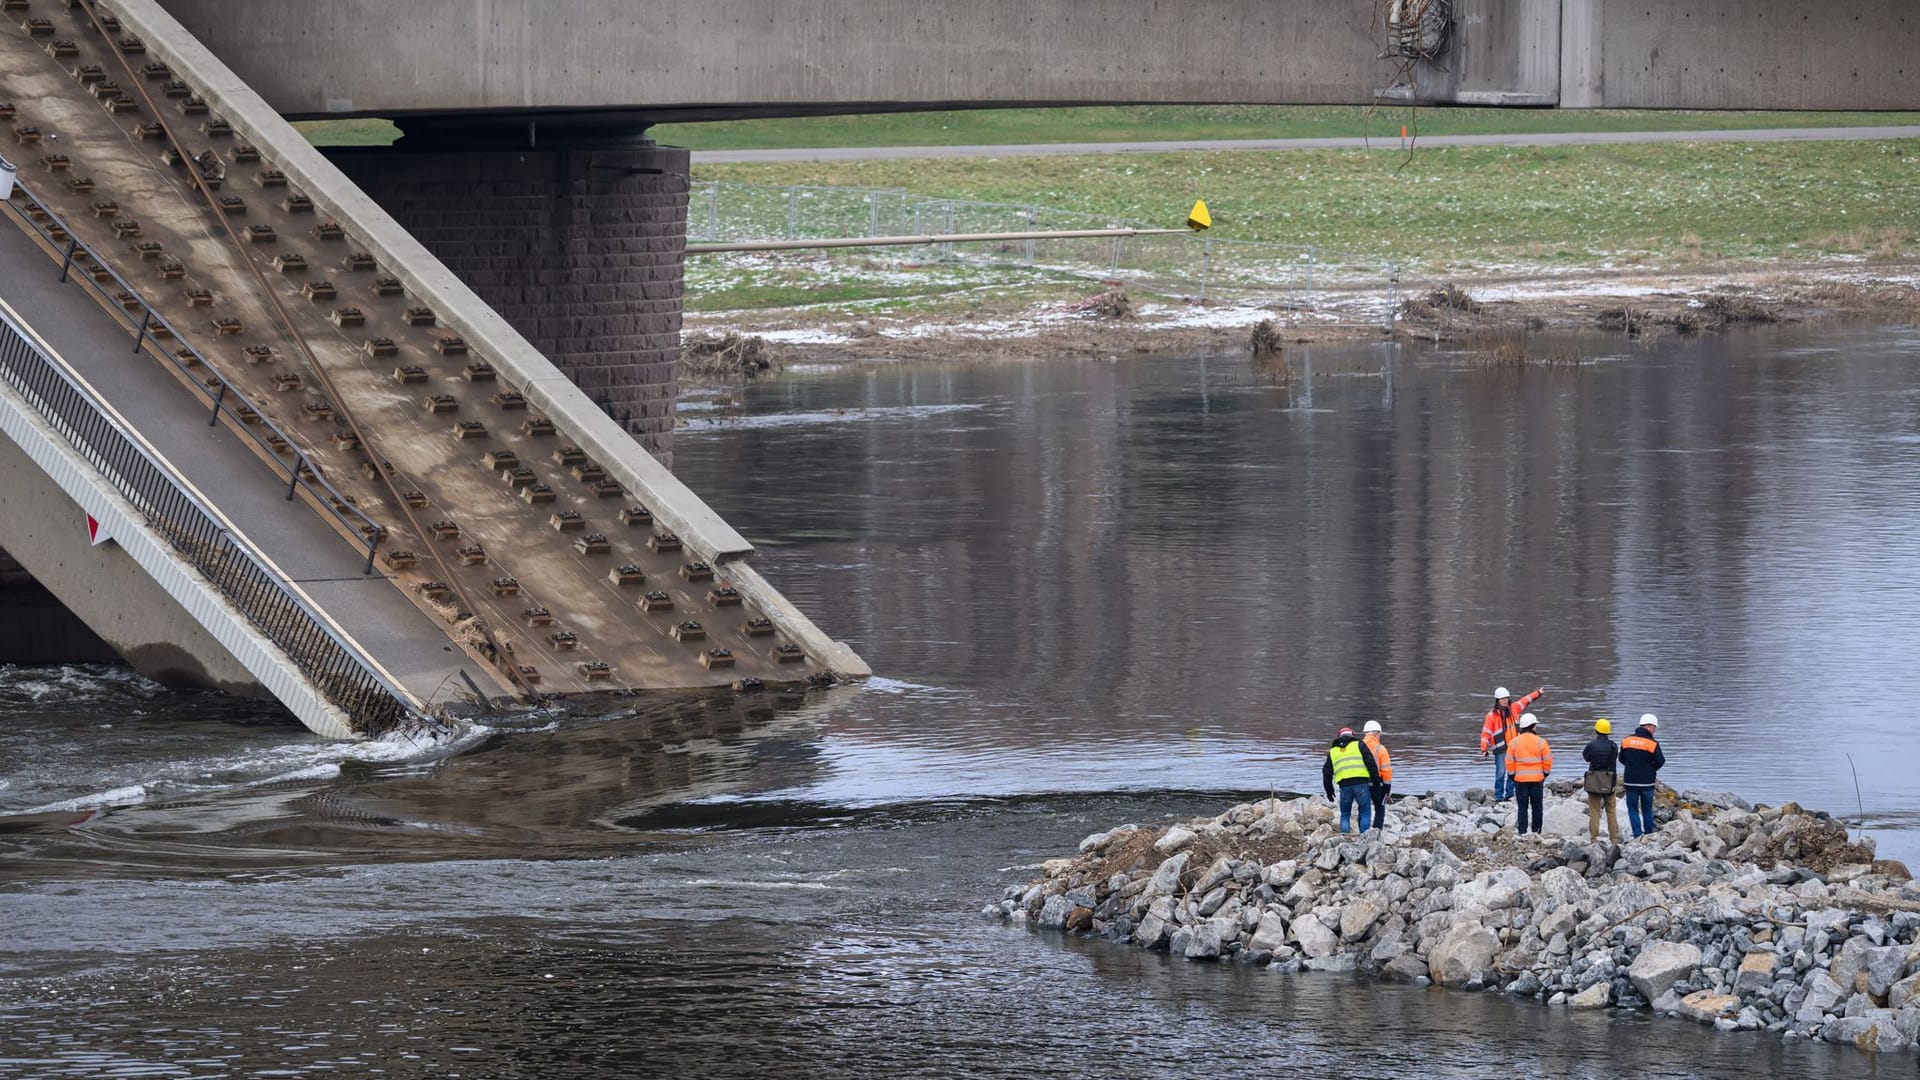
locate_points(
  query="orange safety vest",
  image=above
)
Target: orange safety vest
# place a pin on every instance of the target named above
(1529, 758)
(1380, 757)
(1497, 730)
(1639, 742)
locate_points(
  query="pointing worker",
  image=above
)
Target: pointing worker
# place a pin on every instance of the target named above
(1530, 761)
(1350, 765)
(1498, 730)
(1370, 738)
(1640, 760)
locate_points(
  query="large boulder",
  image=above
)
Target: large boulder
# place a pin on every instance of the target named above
(1359, 917)
(1904, 991)
(1166, 880)
(1755, 974)
(1407, 966)
(1597, 996)
(1822, 994)
(1706, 1006)
(1053, 913)
(1468, 947)
(1564, 885)
(1151, 933)
(1492, 890)
(1877, 1031)
(1314, 936)
(1176, 838)
(1884, 967)
(1850, 961)
(1565, 817)
(1270, 934)
(1214, 875)
(1203, 943)
(1660, 965)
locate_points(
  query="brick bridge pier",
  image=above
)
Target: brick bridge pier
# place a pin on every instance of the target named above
(575, 235)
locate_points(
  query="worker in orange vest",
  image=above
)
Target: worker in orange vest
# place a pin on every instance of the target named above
(1371, 737)
(1497, 731)
(1529, 762)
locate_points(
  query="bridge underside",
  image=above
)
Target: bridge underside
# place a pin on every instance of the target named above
(720, 59)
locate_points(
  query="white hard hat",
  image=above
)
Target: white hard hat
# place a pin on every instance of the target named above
(1370, 727)
(1501, 691)
(1649, 720)
(1527, 720)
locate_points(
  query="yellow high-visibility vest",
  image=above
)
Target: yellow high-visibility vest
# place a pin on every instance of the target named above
(1348, 764)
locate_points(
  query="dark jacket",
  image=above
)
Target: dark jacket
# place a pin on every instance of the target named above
(1638, 765)
(1601, 754)
(1366, 755)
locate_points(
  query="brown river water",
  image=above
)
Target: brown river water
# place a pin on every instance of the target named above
(1094, 592)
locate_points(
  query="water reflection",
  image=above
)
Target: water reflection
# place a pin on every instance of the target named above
(1096, 592)
(1137, 553)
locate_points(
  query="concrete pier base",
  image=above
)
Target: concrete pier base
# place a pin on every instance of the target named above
(35, 628)
(581, 250)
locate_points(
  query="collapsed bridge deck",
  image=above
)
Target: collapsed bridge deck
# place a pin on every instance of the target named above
(545, 543)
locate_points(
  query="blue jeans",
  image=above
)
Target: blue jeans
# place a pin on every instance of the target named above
(1352, 795)
(1640, 810)
(1502, 783)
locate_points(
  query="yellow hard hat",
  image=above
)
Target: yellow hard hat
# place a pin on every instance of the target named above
(1602, 726)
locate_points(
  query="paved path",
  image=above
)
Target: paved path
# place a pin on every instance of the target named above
(1565, 138)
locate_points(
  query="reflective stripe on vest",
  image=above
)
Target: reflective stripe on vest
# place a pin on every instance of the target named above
(1527, 759)
(1503, 720)
(1347, 763)
(1381, 759)
(1639, 742)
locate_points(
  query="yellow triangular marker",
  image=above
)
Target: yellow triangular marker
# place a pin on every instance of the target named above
(1198, 218)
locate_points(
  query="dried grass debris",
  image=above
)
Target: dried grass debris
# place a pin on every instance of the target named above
(729, 356)
(1267, 340)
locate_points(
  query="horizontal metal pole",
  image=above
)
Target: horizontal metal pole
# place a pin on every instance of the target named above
(904, 241)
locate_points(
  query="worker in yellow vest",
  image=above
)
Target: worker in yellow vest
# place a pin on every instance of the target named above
(1370, 738)
(1530, 762)
(1349, 766)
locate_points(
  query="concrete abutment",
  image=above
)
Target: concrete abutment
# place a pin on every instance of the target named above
(118, 606)
(581, 250)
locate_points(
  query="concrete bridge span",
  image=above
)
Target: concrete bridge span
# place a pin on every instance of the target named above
(606, 61)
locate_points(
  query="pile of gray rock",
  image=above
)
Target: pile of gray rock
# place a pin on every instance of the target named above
(1742, 917)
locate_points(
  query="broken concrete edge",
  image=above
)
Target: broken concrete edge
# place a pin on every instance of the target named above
(835, 656)
(673, 503)
(196, 595)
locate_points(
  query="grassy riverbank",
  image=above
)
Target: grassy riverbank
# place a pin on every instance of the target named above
(1464, 209)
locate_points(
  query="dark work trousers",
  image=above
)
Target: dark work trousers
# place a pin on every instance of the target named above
(1529, 796)
(1380, 793)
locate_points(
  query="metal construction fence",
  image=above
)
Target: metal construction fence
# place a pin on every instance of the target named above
(1195, 266)
(200, 536)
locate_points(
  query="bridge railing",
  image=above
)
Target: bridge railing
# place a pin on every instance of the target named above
(1299, 277)
(214, 388)
(338, 668)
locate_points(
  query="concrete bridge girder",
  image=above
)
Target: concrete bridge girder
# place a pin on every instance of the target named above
(715, 59)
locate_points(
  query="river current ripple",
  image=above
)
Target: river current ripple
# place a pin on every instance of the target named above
(1094, 592)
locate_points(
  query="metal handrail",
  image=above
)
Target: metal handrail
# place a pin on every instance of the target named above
(334, 665)
(330, 500)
